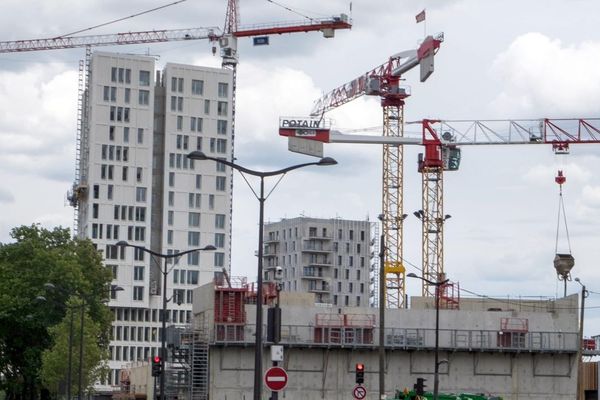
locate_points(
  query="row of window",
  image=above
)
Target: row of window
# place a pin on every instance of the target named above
(177, 85)
(112, 130)
(137, 233)
(115, 153)
(111, 94)
(313, 232)
(177, 106)
(197, 123)
(147, 315)
(123, 75)
(119, 114)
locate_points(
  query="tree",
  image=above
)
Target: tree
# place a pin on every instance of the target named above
(36, 257)
(55, 359)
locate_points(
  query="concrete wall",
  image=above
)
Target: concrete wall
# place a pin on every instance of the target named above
(329, 373)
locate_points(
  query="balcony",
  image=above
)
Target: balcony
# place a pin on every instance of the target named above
(323, 287)
(317, 236)
(312, 273)
(316, 248)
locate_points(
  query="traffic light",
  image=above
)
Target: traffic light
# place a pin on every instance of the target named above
(156, 366)
(420, 386)
(360, 373)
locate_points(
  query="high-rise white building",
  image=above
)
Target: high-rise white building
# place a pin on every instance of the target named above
(328, 257)
(135, 184)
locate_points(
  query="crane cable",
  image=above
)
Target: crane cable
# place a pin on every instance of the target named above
(560, 179)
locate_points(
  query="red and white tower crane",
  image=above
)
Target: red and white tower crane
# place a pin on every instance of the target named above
(227, 39)
(442, 140)
(384, 81)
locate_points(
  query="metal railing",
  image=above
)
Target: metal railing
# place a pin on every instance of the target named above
(407, 338)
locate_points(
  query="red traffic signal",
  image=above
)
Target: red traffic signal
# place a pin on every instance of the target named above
(156, 366)
(360, 373)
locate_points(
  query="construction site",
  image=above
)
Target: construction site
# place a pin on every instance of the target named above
(329, 315)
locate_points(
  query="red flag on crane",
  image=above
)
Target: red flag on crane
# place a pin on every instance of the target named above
(420, 17)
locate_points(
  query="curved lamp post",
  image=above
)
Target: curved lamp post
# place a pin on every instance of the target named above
(198, 155)
(165, 271)
(436, 369)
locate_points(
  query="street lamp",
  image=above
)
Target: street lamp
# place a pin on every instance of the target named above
(165, 271)
(51, 286)
(198, 155)
(584, 294)
(437, 363)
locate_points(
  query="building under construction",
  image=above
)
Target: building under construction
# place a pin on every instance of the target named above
(513, 348)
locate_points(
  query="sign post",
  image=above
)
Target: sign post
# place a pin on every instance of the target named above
(276, 379)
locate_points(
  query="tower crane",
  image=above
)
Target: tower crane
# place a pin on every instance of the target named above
(384, 81)
(442, 140)
(226, 38)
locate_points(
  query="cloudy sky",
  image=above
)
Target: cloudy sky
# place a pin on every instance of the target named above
(501, 59)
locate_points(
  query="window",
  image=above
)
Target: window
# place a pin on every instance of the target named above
(219, 240)
(179, 122)
(140, 233)
(127, 95)
(106, 93)
(140, 194)
(222, 108)
(197, 87)
(140, 214)
(170, 217)
(220, 221)
(192, 277)
(127, 75)
(95, 210)
(351, 234)
(192, 124)
(171, 179)
(112, 112)
(221, 127)
(171, 198)
(111, 133)
(140, 135)
(194, 219)
(194, 239)
(219, 259)
(220, 183)
(211, 201)
(221, 146)
(96, 191)
(109, 192)
(144, 78)
(180, 104)
(126, 134)
(138, 293)
(138, 174)
(144, 97)
(173, 103)
(124, 175)
(169, 237)
(223, 89)
(173, 84)
(198, 181)
(113, 74)
(138, 273)
(206, 106)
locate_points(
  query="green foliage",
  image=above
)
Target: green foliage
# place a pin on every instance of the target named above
(36, 257)
(55, 359)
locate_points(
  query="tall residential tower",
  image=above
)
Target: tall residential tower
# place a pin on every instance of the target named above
(135, 184)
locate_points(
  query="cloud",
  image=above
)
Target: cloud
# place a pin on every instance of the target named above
(544, 77)
(6, 196)
(38, 120)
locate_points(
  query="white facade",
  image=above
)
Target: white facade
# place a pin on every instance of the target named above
(328, 257)
(141, 188)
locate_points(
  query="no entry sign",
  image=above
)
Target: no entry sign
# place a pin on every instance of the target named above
(276, 378)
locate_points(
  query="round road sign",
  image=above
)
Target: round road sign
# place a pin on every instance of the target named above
(359, 392)
(276, 378)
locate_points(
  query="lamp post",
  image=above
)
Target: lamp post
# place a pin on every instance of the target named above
(584, 294)
(436, 368)
(165, 271)
(198, 155)
(51, 286)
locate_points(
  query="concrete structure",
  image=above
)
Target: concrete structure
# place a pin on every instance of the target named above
(512, 348)
(135, 183)
(328, 257)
